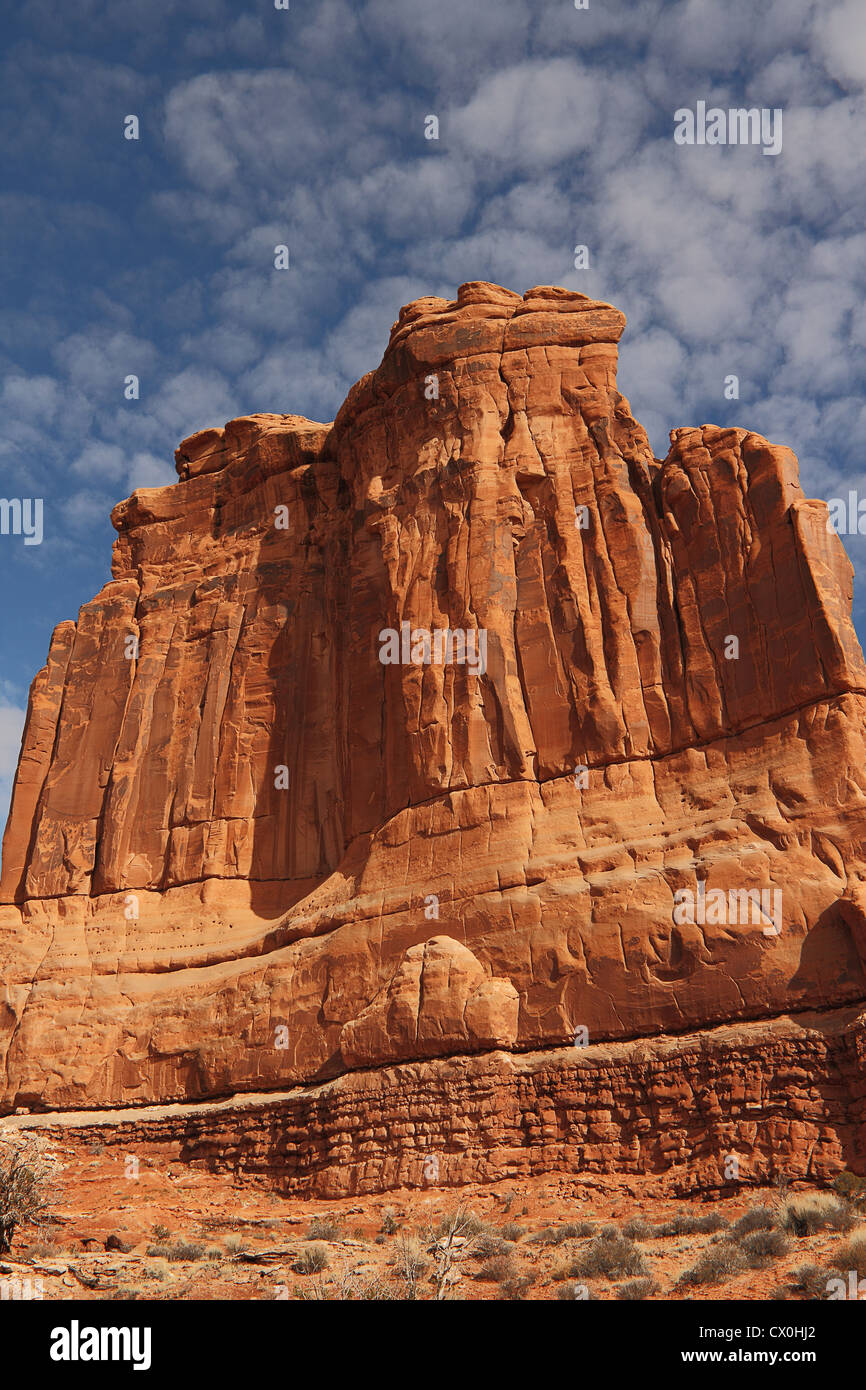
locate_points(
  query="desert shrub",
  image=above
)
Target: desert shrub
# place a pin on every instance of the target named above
(185, 1250)
(324, 1228)
(317, 1291)
(715, 1265)
(312, 1260)
(755, 1219)
(498, 1269)
(454, 1237)
(178, 1250)
(40, 1251)
(635, 1289)
(412, 1265)
(812, 1280)
(235, 1244)
(759, 1247)
(161, 1232)
(464, 1223)
(390, 1224)
(378, 1290)
(850, 1186)
(25, 1180)
(213, 1253)
(610, 1254)
(852, 1254)
(819, 1211)
(487, 1246)
(511, 1231)
(688, 1223)
(569, 1230)
(637, 1229)
(515, 1285)
(160, 1251)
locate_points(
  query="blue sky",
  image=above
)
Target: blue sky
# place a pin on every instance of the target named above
(306, 127)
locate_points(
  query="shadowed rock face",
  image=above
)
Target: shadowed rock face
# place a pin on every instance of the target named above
(245, 852)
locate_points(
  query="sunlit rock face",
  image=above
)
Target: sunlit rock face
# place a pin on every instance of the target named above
(460, 724)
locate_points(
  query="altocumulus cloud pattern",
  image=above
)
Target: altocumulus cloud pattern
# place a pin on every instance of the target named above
(153, 256)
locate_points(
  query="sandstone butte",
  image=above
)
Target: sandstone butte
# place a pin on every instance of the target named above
(353, 915)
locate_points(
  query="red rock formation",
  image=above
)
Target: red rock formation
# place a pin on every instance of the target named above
(339, 864)
(786, 1098)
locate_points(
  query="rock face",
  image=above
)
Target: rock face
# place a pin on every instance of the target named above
(460, 725)
(786, 1098)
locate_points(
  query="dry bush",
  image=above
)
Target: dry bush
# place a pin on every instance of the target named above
(569, 1230)
(498, 1269)
(811, 1280)
(312, 1260)
(637, 1229)
(850, 1186)
(635, 1289)
(759, 1247)
(487, 1246)
(26, 1179)
(610, 1254)
(755, 1219)
(515, 1285)
(461, 1224)
(511, 1231)
(324, 1228)
(186, 1250)
(715, 1265)
(411, 1265)
(178, 1250)
(688, 1223)
(454, 1239)
(852, 1254)
(819, 1211)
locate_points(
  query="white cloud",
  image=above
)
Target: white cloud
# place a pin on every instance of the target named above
(531, 115)
(253, 128)
(12, 718)
(86, 508)
(840, 34)
(99, 460)
(145, 470)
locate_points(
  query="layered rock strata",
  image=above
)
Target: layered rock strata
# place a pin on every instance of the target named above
(748, 1105)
